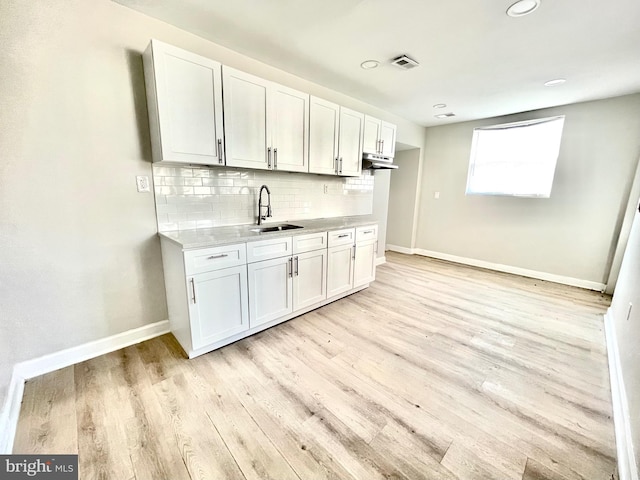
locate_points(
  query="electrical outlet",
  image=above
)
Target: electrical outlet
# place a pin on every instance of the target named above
(326, 188)
(436, 195)
(142, 181)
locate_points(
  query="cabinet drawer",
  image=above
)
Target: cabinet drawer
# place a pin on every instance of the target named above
(369, 232)
(214, 258)
(268, 249)
(309, 242)
(342, 237)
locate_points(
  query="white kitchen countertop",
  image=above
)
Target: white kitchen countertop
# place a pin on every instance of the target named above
(211, 237)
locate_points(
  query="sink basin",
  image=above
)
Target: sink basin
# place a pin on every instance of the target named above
(275, 228)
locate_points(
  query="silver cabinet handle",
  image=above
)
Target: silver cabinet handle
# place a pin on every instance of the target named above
(297, 272)
(275, 158)
(343, 235)
(290, 267)
(381, 146)
(378, 146)
(220, 159)
(340, 172)
(222, 255)
(269, 157)
(367, 231)
(336, 162)
(354, 252)
(193, 289)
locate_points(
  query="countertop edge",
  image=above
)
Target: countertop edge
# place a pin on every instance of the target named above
(226, 235)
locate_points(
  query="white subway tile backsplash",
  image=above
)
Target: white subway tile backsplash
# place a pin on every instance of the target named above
(202, 197)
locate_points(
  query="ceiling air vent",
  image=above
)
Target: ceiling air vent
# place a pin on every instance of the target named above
(404, 62)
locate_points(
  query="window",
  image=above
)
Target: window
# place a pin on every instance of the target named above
(517, 159)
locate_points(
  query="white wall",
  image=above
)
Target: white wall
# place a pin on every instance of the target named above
(79, 255)
(405, 183)
(382, 180)
(571, 234)
(628, 329)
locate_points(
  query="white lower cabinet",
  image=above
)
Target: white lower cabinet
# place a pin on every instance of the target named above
(218, 295)
(270, 290)
(218, 305)
(339, 270)
(364, 264)
(309, 278)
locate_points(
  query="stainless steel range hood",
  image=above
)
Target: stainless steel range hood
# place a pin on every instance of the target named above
(372, 161)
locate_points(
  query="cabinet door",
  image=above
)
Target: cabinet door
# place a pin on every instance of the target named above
(364, 267)
(388, 139)
(184, 97)
(245, 119)
(289, 118)
(218, 306)
(371, 138)
(324, 121)
(270, 290)
(350, 142)
(309, 278)
(339, 269)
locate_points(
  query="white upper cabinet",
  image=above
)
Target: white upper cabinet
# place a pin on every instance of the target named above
(350, 143)
(184, 99)
(371, 142)
(323, 136)
(388, 139)
(245, 119)
(290, 129)
(266, 124)
(379, 137)
(335, 139)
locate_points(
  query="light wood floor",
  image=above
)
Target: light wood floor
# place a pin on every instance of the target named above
(437, 371)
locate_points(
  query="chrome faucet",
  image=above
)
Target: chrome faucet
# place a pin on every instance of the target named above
(267, 206)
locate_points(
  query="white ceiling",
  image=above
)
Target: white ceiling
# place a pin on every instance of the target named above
(473, 57)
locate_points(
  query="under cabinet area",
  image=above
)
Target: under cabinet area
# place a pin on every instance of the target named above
(217, 295)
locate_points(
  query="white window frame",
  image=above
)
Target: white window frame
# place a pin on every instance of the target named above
(546, 168)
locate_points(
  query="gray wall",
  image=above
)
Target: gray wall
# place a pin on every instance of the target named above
(628, 330)
(79, 255)
(574, 232)
(382, 180)
(405, 183)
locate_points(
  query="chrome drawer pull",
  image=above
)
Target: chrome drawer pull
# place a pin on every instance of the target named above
(193, 288)
(213, 257)
(343, 235)
(368, 231)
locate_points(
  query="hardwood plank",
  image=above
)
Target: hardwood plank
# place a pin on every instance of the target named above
(47, 422)
(436, 371)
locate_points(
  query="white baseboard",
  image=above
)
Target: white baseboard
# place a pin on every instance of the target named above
(10, 413)
(381, 260)
(48, 363)
(627, 468)
(399, 249)
(551, 277)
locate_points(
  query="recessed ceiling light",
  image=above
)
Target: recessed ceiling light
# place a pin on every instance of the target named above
(523, 7)
(553, 83)
(445, 115)
(369, 64)
(440, 105)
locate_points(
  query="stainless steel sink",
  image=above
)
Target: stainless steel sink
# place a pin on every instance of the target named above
(275, 228)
